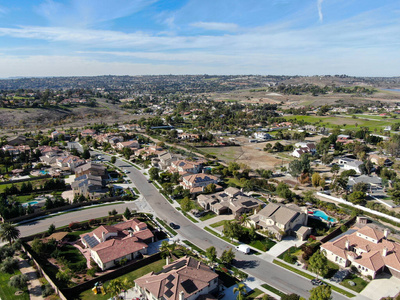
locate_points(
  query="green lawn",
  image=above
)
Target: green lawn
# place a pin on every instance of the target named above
(331, 121)
(7, 292)
(207, 216)
(254, 294)
(272, 289)
(131, 276)
(218, 224)
(263, 244)
(360, 283)
(35, 183)
(234, 181)
(220, 236)
(73, 255)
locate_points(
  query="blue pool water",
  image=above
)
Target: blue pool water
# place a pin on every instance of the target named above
(43, 172)
(31, 203)
(321, 214)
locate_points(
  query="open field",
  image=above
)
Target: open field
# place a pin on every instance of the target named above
(251, 154)
(373, 122)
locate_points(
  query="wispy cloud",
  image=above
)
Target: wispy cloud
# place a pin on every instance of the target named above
(3, 10)
(216, 26)
(320, 15)
(83, 13)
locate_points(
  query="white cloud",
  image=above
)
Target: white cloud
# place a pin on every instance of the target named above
(216, 26)
(319, 5)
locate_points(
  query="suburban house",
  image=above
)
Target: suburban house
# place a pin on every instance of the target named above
(110, 244)
(16, 150)
(280, 219)
(262, 136)
(197, 182)
(184, 167)
(89, 186)
(70, 162)
(367, 248)
(229, 201)
(92, 169)
(350, 164)
(380, 160)
(163, 160)
(55, 135)
(372, 182)
(149, 151)
(133, 145)
(304, 148)
(183, 279)
(88, 132)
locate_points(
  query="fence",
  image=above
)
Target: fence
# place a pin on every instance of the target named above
(337, 231)
(24, 179)
(371, 211)
(73, 292)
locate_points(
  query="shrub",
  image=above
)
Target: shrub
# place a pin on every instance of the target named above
(9, 265)
(6, 251)
(91, 272)
(47, 290)
(18, 281)
(291, 259)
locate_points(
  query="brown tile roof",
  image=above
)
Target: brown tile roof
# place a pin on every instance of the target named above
(113, 249)
(185, 275)
(371, 254)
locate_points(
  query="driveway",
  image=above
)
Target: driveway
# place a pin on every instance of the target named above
(383, 286)
(283, 245)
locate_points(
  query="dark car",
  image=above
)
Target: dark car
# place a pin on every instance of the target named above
(316, 281)
(173, 225)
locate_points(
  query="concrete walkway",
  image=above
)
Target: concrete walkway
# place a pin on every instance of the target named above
(34, 285)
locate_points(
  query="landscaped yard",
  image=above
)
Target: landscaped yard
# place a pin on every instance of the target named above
(131, 276)
(207, 216)
(262, 244)
(8, 292)
(254, 294)
(360, 283)
(218, 224)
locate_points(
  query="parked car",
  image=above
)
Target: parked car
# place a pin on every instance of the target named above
(173, 225)
(316, 281)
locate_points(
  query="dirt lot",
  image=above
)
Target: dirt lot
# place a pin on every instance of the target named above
(251, 154)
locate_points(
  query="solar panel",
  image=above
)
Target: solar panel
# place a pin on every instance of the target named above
(91, 241)
(169, 285)
(189, 286)
(168, 293)
(170, 277)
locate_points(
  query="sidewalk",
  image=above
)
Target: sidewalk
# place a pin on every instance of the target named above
(34, 285)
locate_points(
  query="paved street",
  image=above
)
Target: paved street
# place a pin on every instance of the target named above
(257, 267)
(270, 273)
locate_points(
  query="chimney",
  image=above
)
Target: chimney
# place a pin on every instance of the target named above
(131, 234)
(385, 251)
(347, 245)
(167, 261)
(103, 236)
(386, 233)
(181, 295)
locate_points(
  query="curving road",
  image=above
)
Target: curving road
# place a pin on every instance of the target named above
(268, 272)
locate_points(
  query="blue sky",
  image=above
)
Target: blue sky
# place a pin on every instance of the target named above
(139, 37)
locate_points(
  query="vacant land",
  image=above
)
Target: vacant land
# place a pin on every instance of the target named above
(251, 154)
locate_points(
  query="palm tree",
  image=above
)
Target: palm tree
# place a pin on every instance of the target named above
(167, 247)
(9, 232)
(241, 289)
(244, 220)
(117, 286)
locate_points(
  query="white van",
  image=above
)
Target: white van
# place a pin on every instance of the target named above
(243, 248)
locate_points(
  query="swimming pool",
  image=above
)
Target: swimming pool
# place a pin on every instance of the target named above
(44, 172)
(30, 203)
(321, 214)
